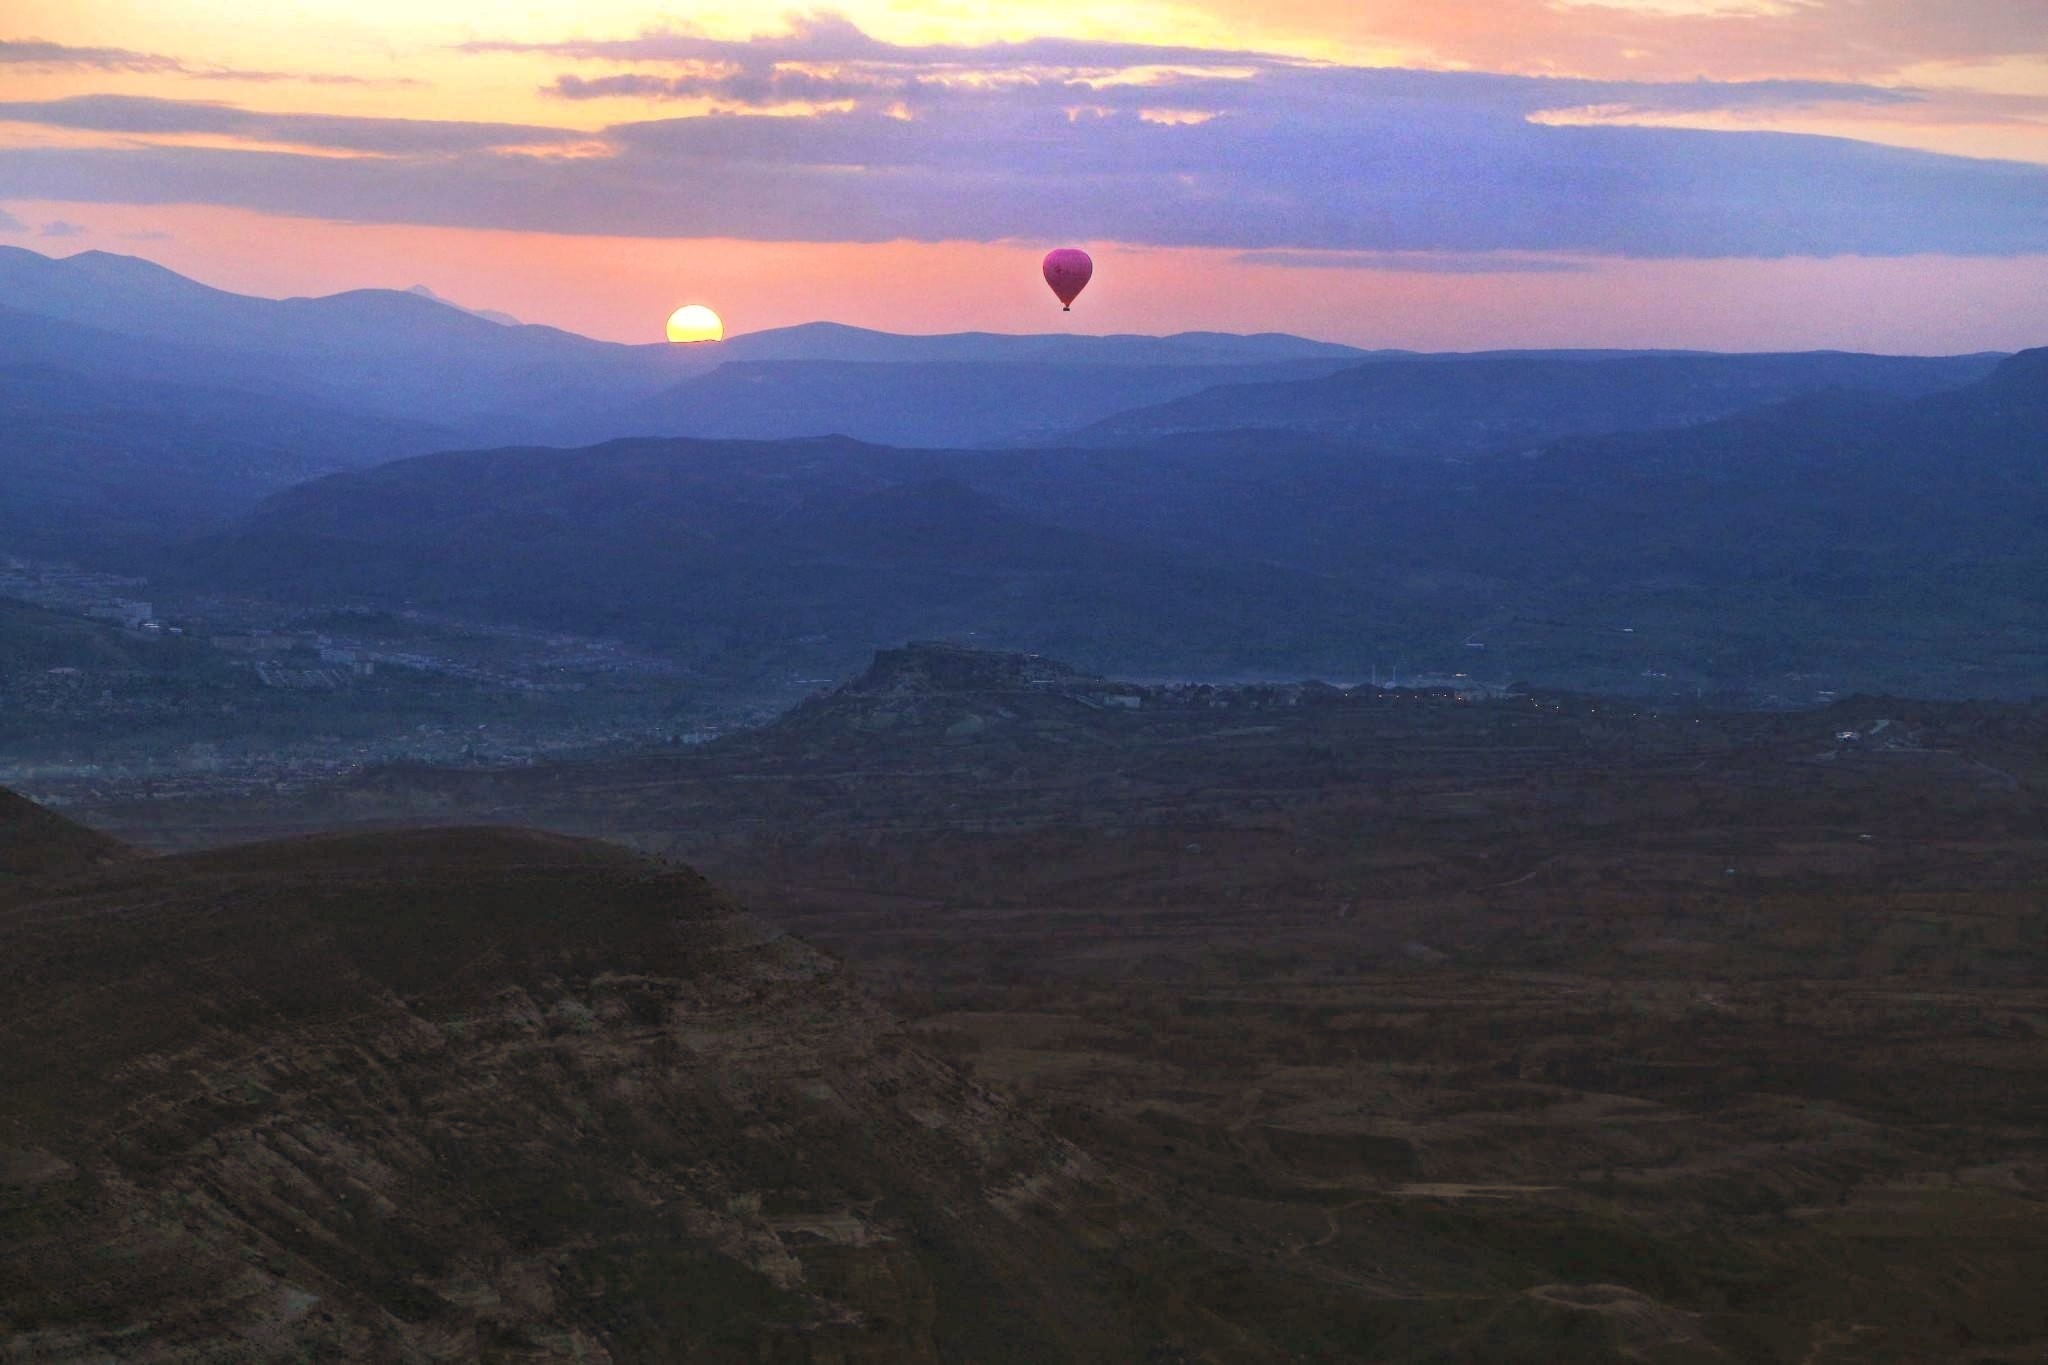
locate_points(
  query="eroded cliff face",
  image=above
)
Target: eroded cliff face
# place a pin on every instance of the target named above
(480, 1093)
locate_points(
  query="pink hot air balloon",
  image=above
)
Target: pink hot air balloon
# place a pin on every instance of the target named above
(1068, 271)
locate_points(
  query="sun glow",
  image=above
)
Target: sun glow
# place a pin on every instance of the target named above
(695, 322)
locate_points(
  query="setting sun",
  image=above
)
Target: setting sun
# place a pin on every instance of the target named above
(695, 322)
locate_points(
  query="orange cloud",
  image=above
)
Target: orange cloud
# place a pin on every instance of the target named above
(1809, 39)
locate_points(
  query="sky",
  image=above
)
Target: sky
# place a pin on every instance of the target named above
(1441, 174)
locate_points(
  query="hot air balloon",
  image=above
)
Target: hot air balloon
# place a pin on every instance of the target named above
(1068, 271)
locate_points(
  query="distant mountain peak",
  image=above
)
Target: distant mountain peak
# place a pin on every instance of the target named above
(2024, 375)
(487, 314)
(107, 263)
(98, 270)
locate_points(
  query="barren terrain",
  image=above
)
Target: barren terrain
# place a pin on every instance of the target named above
(1525, 1029)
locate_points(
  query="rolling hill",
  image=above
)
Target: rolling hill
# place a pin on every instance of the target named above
(984, 402)
(755, 555)
(1840, 533)
(820, 341)
(105, 467)
(1444, 405)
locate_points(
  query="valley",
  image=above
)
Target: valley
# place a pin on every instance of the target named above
(1437, 1028)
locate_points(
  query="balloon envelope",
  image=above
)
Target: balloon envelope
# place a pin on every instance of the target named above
(1068, 271)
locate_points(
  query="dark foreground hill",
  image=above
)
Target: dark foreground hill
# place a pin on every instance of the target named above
(35, 843)
(483, 1094)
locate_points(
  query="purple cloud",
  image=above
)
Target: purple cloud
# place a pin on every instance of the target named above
(1059, 138)
(52, 56)
(1417, 262)
(139, 114)
(832, 38)
(775, 86)
(60, 228)
(35, 52)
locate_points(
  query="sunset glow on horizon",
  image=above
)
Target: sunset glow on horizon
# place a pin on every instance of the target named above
(1439, 174)
(693, 324)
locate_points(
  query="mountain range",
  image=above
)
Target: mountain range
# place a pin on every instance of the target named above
(752, 555)
(261, 393)
(402, 354)
(1487, 403)
(101, 466)
(1205, 504)
(1796, 537)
